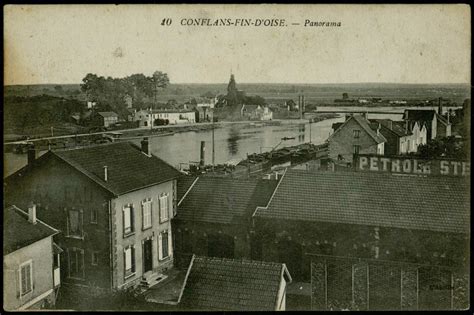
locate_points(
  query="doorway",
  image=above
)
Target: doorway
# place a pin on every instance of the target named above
(147, 255)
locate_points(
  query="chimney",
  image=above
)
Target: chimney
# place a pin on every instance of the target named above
(31, 154)
(406, 126)
(378, 129)
(145, 146)
(365, 115)
(390, 124)
(440, 107)
(106, 173)
(32, 213)
(203, 151)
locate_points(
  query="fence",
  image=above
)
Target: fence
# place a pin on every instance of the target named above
(339, 283)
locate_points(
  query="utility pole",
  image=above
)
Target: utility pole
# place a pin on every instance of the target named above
(213, 144)
(310, 121)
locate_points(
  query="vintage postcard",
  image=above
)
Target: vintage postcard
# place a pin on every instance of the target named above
(236, 157)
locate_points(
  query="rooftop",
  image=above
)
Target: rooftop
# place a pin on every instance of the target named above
(107, 114)
(439, 204)
(365, 124)
(419, 114)
(227, 284)
(394, 126)
(221, 199)
(128, 168)
(18, 232)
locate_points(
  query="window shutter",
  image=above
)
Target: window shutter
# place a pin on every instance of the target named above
(18, 282)
(143, 214)
(170, 245)
(132, 254)
(160, 247)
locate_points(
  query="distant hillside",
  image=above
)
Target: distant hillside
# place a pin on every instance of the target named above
(273, 93)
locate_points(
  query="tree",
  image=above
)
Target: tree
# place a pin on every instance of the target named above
(448, 147)
(159, 80)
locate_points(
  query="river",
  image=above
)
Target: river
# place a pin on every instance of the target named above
(233, 142)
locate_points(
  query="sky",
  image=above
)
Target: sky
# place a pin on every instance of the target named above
(60, 44)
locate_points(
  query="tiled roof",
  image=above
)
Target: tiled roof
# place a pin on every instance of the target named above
(232, 285)
(128, 168)
(184, 183)
(18, 232)
(419, 114)
(365, 124)
(222, 200)
(421, 203)
(392, 126)
(107, 114)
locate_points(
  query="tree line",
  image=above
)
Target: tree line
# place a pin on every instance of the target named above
(112, 94)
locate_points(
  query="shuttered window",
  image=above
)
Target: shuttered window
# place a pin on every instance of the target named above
(128, 219)
(147, 213)
(129, 260)
(164, 210)
(26, 277)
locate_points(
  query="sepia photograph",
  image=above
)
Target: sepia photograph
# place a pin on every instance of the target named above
(236, 157)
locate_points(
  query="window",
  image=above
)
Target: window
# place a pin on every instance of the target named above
(128, 219)
(356, 149)
(95, 258)
(356, 134)
(26, 277)
(164, 208)
(129, 261)
(147, 213)
(164, 245)
(94, 216)
(75, 223)
(76, 263)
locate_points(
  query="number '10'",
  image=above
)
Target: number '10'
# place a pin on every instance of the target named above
(166, 22)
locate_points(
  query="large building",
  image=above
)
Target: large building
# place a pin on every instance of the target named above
(400, 139)
(156, 117)
(436, 125)
(31, 277)
(220, 284)
(355, 136)
(399, 233)
(214, 215)
(114, 204)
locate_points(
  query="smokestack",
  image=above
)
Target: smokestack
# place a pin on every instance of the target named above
(106, 173)
(203, 151)
(32, 213)
(31, 154)
(145, 146)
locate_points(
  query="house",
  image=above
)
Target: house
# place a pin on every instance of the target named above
(400, 140)
(214, 216)
(206, 102)
(155, 117)
(256, 112)
(436, 125)
(30, 261)
(220, 284)
(355, 136)
(114, 203)
(353, 235)
(104, 119)
(205, 113)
